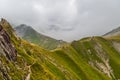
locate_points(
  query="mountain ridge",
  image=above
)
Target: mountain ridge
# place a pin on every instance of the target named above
(92, 58)
(114, 32)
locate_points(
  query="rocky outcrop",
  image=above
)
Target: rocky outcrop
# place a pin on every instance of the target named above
(7, 48)
(8, 53)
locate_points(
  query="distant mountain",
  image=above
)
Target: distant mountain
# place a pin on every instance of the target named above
(29, 34)
(114, 32)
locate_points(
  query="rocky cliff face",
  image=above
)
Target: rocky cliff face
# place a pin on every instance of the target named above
(6, 46)
(7, 51)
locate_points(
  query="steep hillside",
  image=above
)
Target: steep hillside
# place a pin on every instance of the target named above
(29, 34)
(92, 58)
(114, 32)
(102, 54)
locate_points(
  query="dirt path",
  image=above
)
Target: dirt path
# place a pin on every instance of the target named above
(28, 76)
(29, 71)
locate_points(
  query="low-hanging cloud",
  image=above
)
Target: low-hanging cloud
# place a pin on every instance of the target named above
(64, 19)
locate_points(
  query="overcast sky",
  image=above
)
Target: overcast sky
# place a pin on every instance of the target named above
(64, 19)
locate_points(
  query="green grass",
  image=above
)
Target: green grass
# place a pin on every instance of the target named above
(54, 70)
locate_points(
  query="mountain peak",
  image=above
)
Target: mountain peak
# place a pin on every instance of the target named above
(3, 20)
(31, 35)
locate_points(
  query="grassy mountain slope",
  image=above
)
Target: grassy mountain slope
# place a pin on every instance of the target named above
(100, 53)
(29, 34)
(92, 58)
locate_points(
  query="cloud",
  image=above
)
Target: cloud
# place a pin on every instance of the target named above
(64, 19)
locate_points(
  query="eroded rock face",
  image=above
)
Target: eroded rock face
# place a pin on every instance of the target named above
(6, 45)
